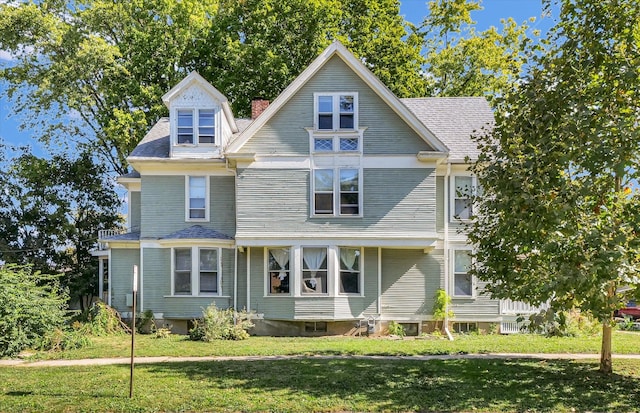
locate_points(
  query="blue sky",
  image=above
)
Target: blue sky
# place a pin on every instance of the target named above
(413, 11)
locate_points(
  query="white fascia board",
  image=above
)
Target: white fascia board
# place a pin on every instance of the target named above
(395, 162)
(200, 242)
(155, 166)
(399, 241)
(131, 184)
(336, 48)
(123, 244)
(99, 253)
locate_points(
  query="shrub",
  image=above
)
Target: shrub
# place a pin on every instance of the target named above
(395, 329)
(146, 323)
(563, 324)
(101, 320)
(32, 306)
(217, 324)
(441, 308)
(60, 340)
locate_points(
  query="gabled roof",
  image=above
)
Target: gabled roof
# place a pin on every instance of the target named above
(337, 49)
(156, 143)
(454, 120)
(195, 78)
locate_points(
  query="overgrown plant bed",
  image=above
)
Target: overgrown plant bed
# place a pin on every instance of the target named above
(176, 345)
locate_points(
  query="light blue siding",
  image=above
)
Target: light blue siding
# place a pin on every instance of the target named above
(122, 262)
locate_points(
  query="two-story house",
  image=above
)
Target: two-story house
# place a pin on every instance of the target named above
(338, 203)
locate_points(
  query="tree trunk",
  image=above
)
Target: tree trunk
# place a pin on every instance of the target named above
(605, 351)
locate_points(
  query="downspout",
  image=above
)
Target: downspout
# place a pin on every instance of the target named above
(248, 279)
(141, 290)
(447, 214)
(379, 304)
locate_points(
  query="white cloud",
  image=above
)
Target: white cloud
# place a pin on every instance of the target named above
(5, 55)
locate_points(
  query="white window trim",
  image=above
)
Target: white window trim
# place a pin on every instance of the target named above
(195, 114)
(336, 111)
(331, 262)
(452, 195)
(267, 276)
(195, 272)
(207, 198)
(336, 193)
(452, 273)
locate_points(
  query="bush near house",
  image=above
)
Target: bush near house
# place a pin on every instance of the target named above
(217, 324)
(32, 307)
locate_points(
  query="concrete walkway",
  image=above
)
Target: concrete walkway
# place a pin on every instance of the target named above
(150, 360)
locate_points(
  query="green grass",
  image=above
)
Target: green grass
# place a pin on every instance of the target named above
(146, 345)
(310, 384)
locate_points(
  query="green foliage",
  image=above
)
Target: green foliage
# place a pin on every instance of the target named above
(146, 323)
(218, 324)
(442, 306)
(463, 62)
(65, 339)
(32, 306)
(563, 324)
(109, 62)
(558, 221)
(101, 320)
(395, 329)
(163, 332)
(53, 210)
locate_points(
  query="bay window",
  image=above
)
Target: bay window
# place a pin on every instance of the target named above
(349, 270)
(314, 270)
(278, 270)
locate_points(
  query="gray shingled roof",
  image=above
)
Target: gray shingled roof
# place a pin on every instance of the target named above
(197, 232)
(453, 120)
(155, 143)
(129, 236)
(132, 174)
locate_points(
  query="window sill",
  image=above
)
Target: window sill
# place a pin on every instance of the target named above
(197, 296)
(316, 216)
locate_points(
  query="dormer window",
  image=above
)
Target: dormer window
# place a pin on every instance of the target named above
(189, 134)
(336, 111)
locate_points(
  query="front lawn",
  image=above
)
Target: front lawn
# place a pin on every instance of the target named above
(147, 345)
(330, 385)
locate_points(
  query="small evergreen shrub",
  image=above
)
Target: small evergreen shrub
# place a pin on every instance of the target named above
(217, 324)
(146, 323)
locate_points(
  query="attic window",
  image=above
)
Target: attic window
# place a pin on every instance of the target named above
(189, 134)
(336, 111)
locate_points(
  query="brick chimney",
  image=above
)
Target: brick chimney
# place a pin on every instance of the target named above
(258, 105)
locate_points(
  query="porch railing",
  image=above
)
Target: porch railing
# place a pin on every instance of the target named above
(518, 307)
(104, 233)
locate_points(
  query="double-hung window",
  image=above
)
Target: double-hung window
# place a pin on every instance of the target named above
(196, 126)
(462, 280)
(314, 270)
(463, 189)
(278, 270)
(336, 111)
(349, 270)
(208, 271)
(196, 271)
(182, 271)
(347, 186)
(197, 198)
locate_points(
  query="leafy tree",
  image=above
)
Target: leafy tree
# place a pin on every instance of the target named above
(32, 305)
(559, 220)
(57, 206)
(463, 62)
(93, 71)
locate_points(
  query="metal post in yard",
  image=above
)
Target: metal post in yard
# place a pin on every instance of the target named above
(133, 326)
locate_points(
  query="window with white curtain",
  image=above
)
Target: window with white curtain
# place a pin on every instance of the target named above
(349, 270)
(208, 270)
(278, 270)
(314, 270)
